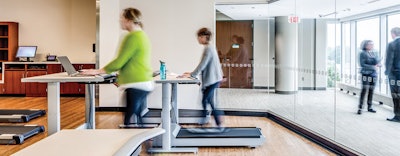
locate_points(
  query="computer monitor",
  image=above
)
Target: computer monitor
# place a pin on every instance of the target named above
(26, 52)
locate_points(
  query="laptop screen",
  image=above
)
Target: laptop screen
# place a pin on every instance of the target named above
(67, 65)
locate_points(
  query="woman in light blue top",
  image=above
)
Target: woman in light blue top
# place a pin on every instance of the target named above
(211, 73)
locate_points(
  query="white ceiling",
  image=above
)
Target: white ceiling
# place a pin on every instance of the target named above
(257, 9)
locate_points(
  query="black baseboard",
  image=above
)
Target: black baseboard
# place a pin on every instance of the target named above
(245, 113)
(285, 92)
(12, 95)
(110, 109)
(263, 87)
(318, 139)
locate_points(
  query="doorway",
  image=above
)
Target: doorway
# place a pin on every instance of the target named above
(234, 40)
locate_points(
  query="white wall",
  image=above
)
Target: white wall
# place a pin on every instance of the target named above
(60, 27)
(306, 45)
(172, 30)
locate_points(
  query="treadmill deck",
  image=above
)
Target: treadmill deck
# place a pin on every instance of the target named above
(228, 132)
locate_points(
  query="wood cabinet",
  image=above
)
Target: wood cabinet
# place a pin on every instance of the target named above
(79, 67)
(13, 73)
(1, 89)
(34, 88)
(11, 85)
(54, 68)
(12, 79)
(70, 88)
(75, 88)
(8, 40)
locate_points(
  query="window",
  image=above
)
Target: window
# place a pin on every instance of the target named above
(392, 21)
(346, 53)
(366, 29)
(333, 53)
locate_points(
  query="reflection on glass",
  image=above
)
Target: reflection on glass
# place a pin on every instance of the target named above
(333, 54)
(356, 129)
(319, 106)
(367, 29)
(238, 56)
(346, 53)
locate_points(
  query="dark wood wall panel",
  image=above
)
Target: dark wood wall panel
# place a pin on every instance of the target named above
(236, 77)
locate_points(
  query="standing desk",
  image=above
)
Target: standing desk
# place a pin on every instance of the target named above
(178, 139)
(53, 98)
(169, 99)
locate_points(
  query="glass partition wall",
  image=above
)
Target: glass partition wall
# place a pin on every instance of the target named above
(369, 133)
(307, 72)
(302, 64)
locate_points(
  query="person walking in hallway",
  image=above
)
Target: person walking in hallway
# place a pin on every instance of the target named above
(392, 64)
(369, 62)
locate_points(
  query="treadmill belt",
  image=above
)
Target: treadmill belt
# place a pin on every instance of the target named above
(182, 113)
(23, 115)
(229, 132)
(16, 134)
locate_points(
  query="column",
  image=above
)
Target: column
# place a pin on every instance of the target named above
(286, 56)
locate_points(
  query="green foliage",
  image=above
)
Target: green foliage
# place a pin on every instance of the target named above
(332, 76)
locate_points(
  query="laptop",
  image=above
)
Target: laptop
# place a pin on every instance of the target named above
(70, 69)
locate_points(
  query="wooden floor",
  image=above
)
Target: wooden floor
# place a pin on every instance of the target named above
(279, 140)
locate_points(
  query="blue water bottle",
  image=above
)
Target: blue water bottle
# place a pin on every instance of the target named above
(163, 72)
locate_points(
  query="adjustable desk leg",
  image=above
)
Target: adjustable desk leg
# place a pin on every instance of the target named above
(53, 107)
(89, 106)
(174, 103)
(166, 116)
(166, 123)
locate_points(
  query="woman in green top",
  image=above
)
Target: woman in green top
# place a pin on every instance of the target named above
(132, 64)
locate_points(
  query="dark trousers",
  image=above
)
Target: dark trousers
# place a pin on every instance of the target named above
(395, 92)
(368, 84)
(135, 101)
(208, 98)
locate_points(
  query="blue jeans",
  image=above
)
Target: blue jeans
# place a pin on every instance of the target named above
(208, 98)
(135, 101)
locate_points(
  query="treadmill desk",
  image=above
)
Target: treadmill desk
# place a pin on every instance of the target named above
(170, 84)
(177, 139)
(53, 98)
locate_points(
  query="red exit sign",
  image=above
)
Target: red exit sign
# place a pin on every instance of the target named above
(293, 19)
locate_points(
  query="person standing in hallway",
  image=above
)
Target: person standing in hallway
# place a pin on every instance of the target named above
(133, 64)
(211, 74)
(369, 62)
(392, 64)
